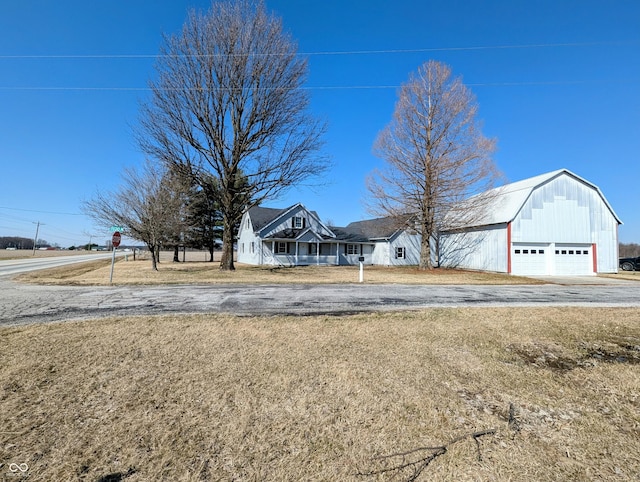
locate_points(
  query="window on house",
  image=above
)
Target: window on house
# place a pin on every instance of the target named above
(298, 222)
(352, 249)
(400, 252)
(281, 247)
(313, 249)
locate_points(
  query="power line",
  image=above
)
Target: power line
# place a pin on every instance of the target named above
(328, 87)
(328, 52)
(43, 212)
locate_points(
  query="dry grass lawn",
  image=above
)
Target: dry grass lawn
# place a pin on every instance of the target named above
(212, 397)
(197, 270)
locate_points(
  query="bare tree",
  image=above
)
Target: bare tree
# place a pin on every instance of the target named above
(147, 205)
(435, 155)
(228, 102)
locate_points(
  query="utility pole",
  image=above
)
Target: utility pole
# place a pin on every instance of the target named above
(35, 240)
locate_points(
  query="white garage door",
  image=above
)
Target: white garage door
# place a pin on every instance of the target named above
(573, 259)
(530, 259)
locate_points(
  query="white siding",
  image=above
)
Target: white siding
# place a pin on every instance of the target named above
(384, 252)
(246, 237)
(479, 249)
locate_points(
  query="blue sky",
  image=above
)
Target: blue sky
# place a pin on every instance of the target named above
(557, 82)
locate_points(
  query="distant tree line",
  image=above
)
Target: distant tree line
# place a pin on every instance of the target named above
(630, 250)
(18, 242)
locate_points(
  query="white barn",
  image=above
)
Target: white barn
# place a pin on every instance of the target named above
(553, 224)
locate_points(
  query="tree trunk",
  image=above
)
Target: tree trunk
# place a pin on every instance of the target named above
(154, 264)
(176, 258)
(211, 249)
(226, 263)
(425, 253)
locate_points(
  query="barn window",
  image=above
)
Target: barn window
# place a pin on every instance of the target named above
(571, 251)
(564, 251)
(517, 251)
(533, 251)
(557, 251)
(252, 247)
(578, 252)
(585, 252)
(541, 251)
(525, 251)
(400, 252)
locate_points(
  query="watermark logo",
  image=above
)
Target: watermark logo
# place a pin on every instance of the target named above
(18, 469)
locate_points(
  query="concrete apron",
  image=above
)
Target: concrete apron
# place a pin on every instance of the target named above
(584, 280)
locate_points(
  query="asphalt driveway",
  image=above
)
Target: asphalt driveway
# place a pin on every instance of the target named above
(23, 304)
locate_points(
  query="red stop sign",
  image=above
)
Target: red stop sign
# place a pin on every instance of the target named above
(116, 238)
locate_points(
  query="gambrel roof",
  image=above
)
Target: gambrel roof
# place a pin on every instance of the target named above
(509, 199)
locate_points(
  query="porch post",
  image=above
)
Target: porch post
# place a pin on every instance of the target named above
(317, 253)
(296, 253)
(273, 251)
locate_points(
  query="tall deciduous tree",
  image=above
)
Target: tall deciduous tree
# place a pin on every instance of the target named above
(228, 102)
(436, 156)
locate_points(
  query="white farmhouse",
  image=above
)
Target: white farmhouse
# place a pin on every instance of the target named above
(296, 236)
(553, 224)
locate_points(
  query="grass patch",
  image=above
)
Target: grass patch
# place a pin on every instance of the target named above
(139, 272)
(216, 397)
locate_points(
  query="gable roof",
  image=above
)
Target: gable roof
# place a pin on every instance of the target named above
(510, 198)
(263, 217)
(379, 228)
(372, 229)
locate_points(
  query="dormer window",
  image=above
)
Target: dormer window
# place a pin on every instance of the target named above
(298, 222)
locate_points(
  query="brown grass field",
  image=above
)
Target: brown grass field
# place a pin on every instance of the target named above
(213, 397)
(550, 393)
(197, 270)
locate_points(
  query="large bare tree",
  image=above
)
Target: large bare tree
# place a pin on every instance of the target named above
(436, 156)
(228, 101)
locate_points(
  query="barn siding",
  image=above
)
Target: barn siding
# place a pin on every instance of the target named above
(480, 249)
(565, 210)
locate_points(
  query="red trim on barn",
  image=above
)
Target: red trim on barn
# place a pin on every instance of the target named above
(509, 247)
(595, 257)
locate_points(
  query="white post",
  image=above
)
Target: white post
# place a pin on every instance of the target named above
(361, 271)
(113, 260)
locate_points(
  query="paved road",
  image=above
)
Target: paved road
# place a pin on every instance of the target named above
(21, 304)
(21, 265)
